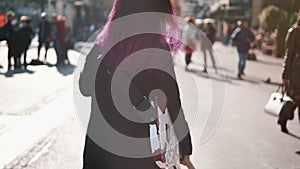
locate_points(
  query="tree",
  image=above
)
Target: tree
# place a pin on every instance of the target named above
(273, 18)
(287, 5)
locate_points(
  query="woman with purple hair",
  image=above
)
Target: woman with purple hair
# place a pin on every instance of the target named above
(118, 139)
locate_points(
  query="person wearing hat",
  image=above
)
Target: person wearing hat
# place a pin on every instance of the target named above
(44, 34)
(25, 34)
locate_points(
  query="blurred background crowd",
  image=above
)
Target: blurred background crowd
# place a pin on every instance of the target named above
(83, 17)
(73, 21)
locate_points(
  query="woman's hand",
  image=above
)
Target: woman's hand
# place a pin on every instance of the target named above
(187, 162)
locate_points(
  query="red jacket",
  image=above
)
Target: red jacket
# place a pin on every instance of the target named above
(61, 32)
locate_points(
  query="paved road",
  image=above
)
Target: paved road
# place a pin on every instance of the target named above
(25, 91)
(246, 137)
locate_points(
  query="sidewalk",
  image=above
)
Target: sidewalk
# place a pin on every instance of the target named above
(28, 90)
(27, 135)
(33, 104)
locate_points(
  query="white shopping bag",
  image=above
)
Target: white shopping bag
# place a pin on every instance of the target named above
(275, 103)
(164, 143)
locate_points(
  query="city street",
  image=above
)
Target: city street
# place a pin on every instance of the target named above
(37, 114)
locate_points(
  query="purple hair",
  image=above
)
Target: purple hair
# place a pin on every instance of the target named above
(122, 8)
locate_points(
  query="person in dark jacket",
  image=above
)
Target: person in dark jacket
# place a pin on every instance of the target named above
(44, 34)
(291, 76)
(12, 39)
(111, 137)
(242, 37)
(26, 34)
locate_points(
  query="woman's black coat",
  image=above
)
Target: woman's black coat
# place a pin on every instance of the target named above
(291, 69)
(95, 156)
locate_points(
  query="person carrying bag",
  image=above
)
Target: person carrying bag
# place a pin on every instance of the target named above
(291, 77)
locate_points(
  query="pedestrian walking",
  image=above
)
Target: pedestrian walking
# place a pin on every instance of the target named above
(291, 77)
(209, 31)
(60, 39)
(12, 39)
(25, 34)
(144, 82)
(44, 35)
(2, 28)
(57, 37)
(242, 37)
(68, 44)
(190, 37)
